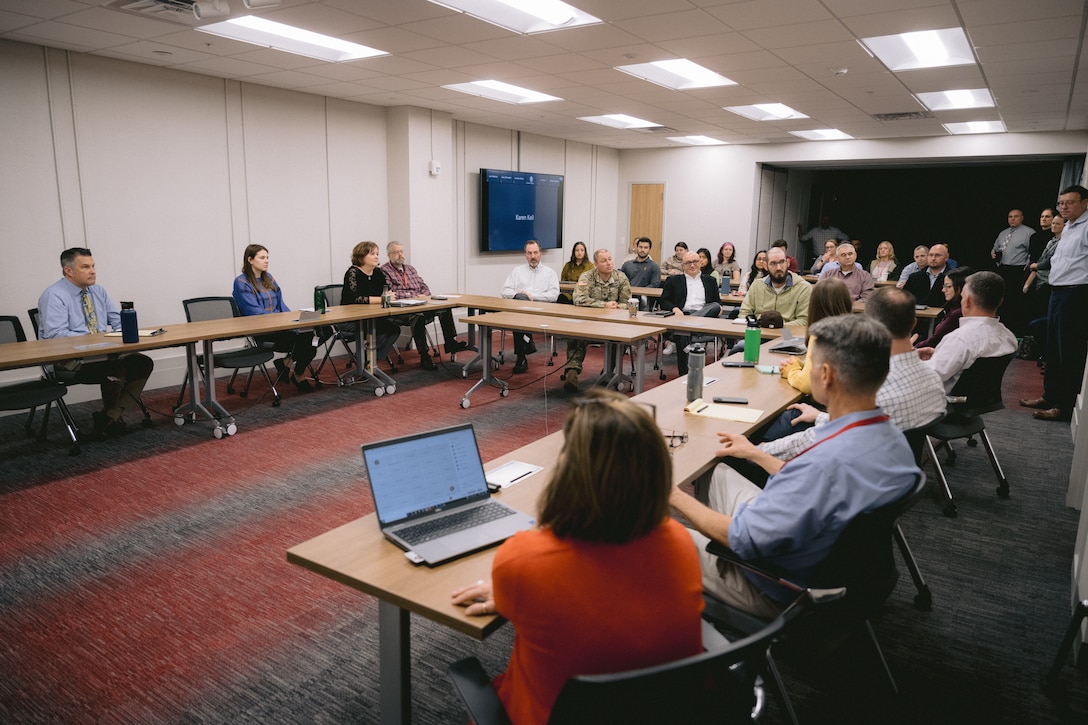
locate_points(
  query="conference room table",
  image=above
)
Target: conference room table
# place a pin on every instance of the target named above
(683, 324)
(615, 335)
(655, 292)
(357, 555)
(206, 333)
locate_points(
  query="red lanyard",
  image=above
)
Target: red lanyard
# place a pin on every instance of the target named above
(855, 424)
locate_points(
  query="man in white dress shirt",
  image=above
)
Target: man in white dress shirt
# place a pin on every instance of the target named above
(530, 281)
(980, 333)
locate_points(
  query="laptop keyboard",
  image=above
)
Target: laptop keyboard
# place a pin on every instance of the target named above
(453, 522)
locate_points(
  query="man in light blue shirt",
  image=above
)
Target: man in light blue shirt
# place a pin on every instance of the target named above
(75, 305)
(795, 520)
(1067, 337)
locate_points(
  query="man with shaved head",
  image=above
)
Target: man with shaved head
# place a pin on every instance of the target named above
(926, 285)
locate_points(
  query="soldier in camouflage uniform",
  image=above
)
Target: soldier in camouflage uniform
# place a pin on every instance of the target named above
(603, 286)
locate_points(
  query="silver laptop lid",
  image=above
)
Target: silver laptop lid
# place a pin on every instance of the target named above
(425, 473)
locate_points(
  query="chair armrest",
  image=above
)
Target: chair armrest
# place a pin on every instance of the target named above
(713, 640)
(474, 687)
(766, 571)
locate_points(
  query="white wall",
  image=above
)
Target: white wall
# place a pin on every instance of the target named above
(589, 196)
(167, 176)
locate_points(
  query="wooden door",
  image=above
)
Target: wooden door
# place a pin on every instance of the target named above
(647, 217)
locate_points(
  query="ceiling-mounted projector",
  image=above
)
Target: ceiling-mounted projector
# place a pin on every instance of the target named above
(207, 9)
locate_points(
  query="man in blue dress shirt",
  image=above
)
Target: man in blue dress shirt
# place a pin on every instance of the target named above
(1067, 338)
(75, 305)
(859, 462)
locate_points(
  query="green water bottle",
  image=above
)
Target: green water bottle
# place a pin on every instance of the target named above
(319, 300)
(752, 341)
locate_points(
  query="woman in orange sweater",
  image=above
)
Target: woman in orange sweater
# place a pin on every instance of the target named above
(606, 562)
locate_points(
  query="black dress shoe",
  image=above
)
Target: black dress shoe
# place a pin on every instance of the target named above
(452, 348)
(426, 362)
(521, 366)
(302, 384)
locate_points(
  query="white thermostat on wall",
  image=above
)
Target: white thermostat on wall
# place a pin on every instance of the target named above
(435, 167)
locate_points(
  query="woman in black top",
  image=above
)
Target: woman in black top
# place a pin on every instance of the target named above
(364, 284)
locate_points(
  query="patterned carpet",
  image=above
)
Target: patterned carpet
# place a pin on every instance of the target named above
(146, 581)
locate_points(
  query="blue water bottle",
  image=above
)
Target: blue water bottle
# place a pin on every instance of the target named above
(130, 329)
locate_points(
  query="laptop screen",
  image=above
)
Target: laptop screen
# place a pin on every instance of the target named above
(421, 474)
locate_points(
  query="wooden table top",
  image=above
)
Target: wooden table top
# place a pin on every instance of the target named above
(567, 326)
(358, 555)
(38, 352)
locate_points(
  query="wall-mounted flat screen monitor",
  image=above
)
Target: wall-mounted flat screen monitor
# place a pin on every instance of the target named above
(516, 206)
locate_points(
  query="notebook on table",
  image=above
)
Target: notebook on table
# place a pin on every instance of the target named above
(431, 496)
(406, 303)
(788, 343)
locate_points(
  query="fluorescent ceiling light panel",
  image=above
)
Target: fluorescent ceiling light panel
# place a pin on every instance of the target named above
(823, 134)
(953, 100)
(766, 112)
(921, 49)
(499, 91)
(975, 127)
(679, 74)
(523, 16)
(697, 140)
(619, 120)
(270, 34)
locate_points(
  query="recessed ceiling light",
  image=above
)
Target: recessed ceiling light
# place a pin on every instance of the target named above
(952, 100)
(270, 34)
(823, 134)
(522, 16)
(679, 74)
(975, 127)
(921, 49)
(499, 91)
(766, 112)
(619, 120)
(697, 140)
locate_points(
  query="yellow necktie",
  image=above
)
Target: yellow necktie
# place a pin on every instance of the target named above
(88, 312)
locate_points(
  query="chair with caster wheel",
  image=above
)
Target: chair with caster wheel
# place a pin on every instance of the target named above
(977, 392)
(252, 356)
(33, 394)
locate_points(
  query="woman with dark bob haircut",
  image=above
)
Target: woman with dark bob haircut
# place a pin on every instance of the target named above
(606, 563)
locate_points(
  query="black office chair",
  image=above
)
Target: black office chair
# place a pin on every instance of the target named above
(200, 309)
(861, 561)
(343, 333)
(977, 392)
(718, 686)
(68, 377)
(919, 443)
(33, 394)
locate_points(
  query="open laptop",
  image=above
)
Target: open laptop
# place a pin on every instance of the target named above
(788, 343)
(431, 496)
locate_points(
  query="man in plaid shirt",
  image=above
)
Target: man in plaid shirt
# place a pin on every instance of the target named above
(404, 282)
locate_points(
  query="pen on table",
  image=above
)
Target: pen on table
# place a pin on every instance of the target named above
(515, 480)
(158, 332)
(700, 410)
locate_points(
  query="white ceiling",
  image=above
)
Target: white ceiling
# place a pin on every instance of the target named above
(1030, 55)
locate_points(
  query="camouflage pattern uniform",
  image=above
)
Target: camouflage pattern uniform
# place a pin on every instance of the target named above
(592, 291)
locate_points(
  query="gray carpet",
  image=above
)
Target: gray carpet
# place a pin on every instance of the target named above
(145, 580)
